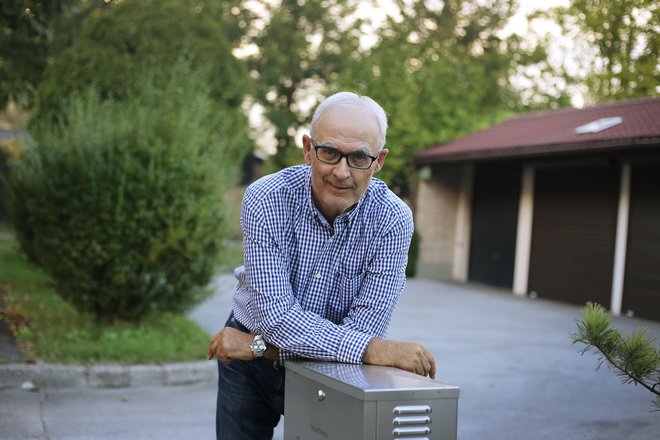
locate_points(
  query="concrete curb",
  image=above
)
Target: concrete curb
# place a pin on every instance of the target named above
(30, 376)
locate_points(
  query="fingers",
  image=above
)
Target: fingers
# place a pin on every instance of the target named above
(426, 363)
(430, 370)
(429, 364)
(210, 354)
(215, 349)
(426, 366)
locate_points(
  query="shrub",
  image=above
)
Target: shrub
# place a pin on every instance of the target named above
(634, 357)
(122, 204)
(4, 169)
(10, 150)
(413, 254)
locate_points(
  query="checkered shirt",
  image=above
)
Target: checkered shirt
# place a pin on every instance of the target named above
(317, 290)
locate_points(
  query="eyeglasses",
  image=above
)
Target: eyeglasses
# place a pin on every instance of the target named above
(332, 156)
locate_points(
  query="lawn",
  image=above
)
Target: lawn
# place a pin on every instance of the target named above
(49, 329)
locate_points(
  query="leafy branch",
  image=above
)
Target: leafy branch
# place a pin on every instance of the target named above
(634, 358)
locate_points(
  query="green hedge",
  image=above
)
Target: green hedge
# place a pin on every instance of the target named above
(413, 255)
(4, 172)
(122, 204)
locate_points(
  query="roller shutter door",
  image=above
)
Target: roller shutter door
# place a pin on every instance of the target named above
(573, 233)
(641, 292)
(496, 194)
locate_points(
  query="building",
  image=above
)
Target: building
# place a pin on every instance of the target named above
(562, 204)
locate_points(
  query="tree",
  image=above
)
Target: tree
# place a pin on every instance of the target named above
(23, 47)
(117, 45)
(616, 44)
(31, 31)
(634, 358)
(301, 48)
(440, 72)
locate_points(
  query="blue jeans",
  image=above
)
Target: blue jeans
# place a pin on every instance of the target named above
(250, 397)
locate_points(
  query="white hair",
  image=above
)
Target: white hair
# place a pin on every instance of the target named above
(343, 98)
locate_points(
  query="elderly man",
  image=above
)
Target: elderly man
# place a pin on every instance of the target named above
(326, 248)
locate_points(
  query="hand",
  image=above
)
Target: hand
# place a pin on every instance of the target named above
(230, 344)
(409, 356)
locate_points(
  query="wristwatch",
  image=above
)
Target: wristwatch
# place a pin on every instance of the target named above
(258, 346)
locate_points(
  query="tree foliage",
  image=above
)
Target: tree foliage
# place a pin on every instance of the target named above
(634, 357)
(121, 204)
(117, 45)
(31, 32)
(301, 49)
(439, 73)
(440, 70)
(23, 47)
(618, 41)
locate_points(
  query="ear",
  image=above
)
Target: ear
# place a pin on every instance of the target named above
(381, 160)
(307, 148)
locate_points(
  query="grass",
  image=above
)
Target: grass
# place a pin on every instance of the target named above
(49, 329)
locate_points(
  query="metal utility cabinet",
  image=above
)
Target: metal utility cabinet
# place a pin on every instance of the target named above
(327, 400)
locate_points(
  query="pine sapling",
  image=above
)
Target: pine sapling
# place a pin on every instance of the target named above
(634, 358)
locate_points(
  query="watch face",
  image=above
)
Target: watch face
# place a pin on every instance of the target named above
(258, 346)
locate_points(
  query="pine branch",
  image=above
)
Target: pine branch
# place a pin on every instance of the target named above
(634, 358)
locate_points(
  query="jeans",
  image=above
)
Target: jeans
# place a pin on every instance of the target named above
(250, 397)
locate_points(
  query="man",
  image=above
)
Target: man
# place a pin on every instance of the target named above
(326, 249)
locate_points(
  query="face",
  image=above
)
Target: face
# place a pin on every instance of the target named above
(349, 129)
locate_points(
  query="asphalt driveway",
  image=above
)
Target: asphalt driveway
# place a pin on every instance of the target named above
(519, 375)
(512, 357)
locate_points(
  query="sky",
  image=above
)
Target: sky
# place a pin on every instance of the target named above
(518, 23)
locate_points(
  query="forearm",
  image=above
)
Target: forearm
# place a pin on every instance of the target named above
(308, 335)
(232, 344)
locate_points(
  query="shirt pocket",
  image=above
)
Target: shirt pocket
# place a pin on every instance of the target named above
(340, 302)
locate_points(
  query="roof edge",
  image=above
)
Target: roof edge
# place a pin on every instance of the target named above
(527, 151)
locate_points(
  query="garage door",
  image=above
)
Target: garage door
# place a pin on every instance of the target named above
(496, 194)
(573, 233)
(641, 291)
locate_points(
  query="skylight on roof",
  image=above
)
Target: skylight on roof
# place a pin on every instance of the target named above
(599, 125)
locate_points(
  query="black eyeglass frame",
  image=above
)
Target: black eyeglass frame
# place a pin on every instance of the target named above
(343, 155)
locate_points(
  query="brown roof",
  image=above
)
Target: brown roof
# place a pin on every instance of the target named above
(554, 132)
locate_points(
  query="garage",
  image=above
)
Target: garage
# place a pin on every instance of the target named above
(561, 204)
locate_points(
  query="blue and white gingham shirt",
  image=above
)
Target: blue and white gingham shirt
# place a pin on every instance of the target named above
(313, 289)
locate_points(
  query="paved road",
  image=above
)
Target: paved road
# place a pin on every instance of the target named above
(520, 377)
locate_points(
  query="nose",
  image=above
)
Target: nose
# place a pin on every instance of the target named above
(341, 169)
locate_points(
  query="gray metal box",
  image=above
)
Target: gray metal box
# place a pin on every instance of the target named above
(327, 400)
